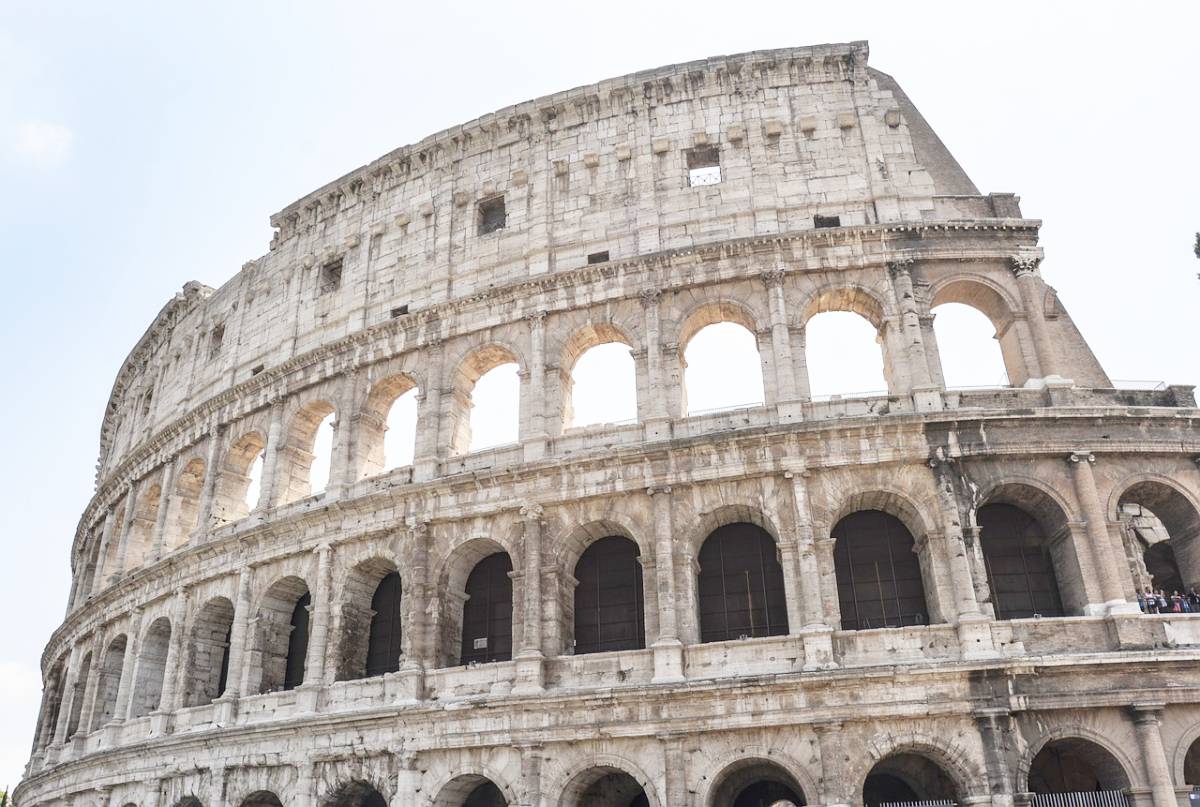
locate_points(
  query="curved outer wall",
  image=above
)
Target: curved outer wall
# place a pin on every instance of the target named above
(385, 280)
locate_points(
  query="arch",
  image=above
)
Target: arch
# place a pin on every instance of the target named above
(304, 466)
(473, 790)
(1178, 512)
(993, 302)
(371, 626)
(606, 786)
(261, 798)
(740, 585)
(452, 594)
(189, 801)
(473, 366)
(851, 298)
(757, 781)
(235, 485)
(109, 683)
(151, 668)
(208, 667)
(609, 609)
(52, 699)
(1018, 562)
(1071, 764)
(1186, 763)
(189, 487)
(355, 793)
(879, 576)
(733, 359)
(857, 316)
(909, 776)
(575, 357)
(377, 439)
(696, 532)
(281, 640)
(487, 617)
(140, 539)
(81, 683)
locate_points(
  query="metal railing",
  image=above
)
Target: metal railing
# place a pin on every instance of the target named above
(1143, 384)
(1091, 798)
(927, 803)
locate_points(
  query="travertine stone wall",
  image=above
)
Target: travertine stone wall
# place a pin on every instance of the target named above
(382, 282)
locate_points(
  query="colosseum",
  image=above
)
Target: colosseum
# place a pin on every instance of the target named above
(925, 597)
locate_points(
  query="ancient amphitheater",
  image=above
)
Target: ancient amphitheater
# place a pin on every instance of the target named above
(925, 596)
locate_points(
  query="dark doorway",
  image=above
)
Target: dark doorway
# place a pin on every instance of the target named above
(767, 794)
(741, 585)
(383, 644)
(1162, 567)
(487, 794)
(609, 601)
(293, 675)
(878, 574)
(487, 613)
(1019, 567)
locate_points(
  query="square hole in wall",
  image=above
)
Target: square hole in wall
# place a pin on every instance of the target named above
(827, 221)
(491, 215)
(704, 166)
(215, 338)
(256, 370)
(598, 257)
(399, 311)
(331, 276)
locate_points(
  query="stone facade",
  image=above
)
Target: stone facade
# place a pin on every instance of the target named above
(170, 681)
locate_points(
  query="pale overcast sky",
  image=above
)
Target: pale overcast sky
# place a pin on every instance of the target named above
(142, 146)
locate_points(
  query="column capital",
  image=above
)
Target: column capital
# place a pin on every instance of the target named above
(417, 525)
(900, 264)
(773, 277)
(1081, 456)
(536, 318)
(656, 489)
(1147, 712)
(322, 548)
(1025, 263)
(531, 511)
(649, 297)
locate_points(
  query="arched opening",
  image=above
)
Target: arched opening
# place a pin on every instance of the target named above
(140, 539)
(109, 682)
(81, 682)
(486, 401)
(1020, 569)
(757, 783)
(306, 459)
(387, 429)
(188, 489)
(1191, 765)
(604, 786)
(967, 347)
(370, 621)
(471, 790)
(878, 572)
(722, 367)
(488, 611)
(1074, 765)
(740, 585)
(262, 798)
(151, 668)
(844, 356)
(356, 794)
(909, 779)
(976, 338)
(189, 801)
(239, 485)
(52, 699)
(282, 636)
(208, 668)
(1163, 530)
(601, 386)
(609, 601)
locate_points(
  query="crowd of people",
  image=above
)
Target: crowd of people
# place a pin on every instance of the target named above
(1159, 602)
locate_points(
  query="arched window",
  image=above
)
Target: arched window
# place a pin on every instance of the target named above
(141, 529)
(908, 778)
(1019, 567)
(1167, 525)
(741, 585)
(322, 456)
(486, 795)
(757, 783)
(151, 668)
(356, 794)
(1073, 765)
(843, 355)
(878, 573)
(722, 369)
(383, 644)
(263, 798)
(602, 387)
(297, 643)
(208, 667)
(51, 704)
(967, 347)
(305, 458)
(609, 602)
(81, 682)
(487, 613)
(108, 684)
(239, 482)
(495, 407)
(400, 440)
(470, 790)
(604, 786)
(188, 489)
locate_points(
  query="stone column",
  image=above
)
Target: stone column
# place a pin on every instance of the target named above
(816, 635)
(125, 687)
(173, 668)
(342, 470)
(674, 769)
(164, 508)
(531, 775)
(966, 606)
(212, 472)
(799, 343)
(131, 494)
(1033, 292)
(93, 683)
(1100, 545)
(787, 398)
(216, 785)
(668, 650)
(318, 637)
(235, 677)
(415, 638)
(66, 700)
(530, 660)
(926, 396)
(102, 556)
(1146, 717)
(408, 776)
(533, 436)
(993, 728)
(269, 484)
(835, 787)
(656, 425)
(426, 447)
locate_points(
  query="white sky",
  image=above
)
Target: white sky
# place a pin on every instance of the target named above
(143, 145)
